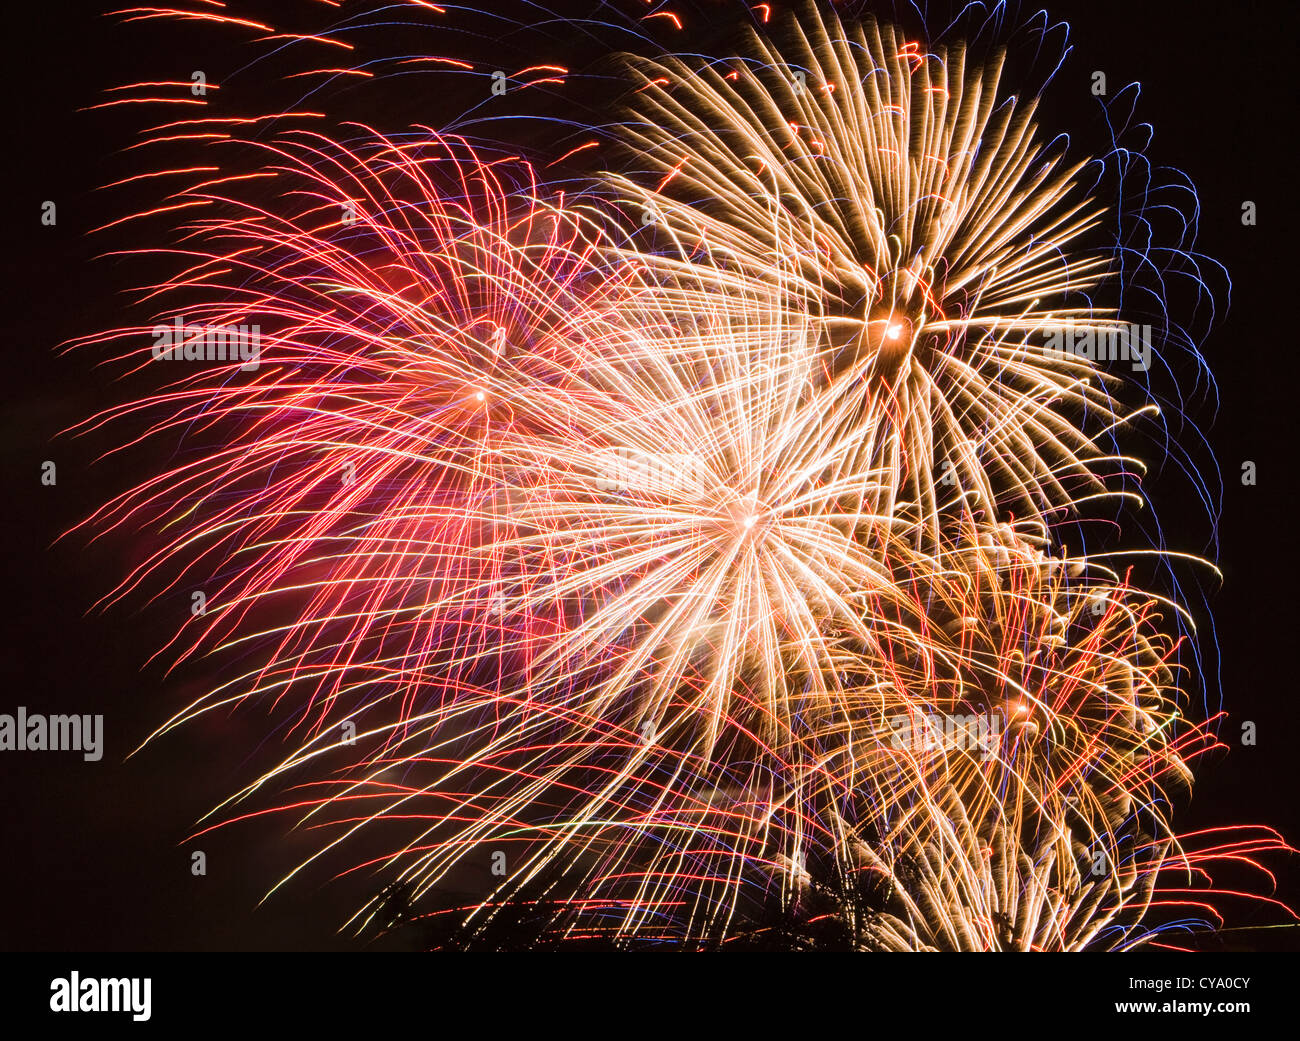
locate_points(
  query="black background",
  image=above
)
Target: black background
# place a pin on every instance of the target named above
(93, 855)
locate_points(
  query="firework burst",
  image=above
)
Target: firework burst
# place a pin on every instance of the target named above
(662, 574)
(907, 202)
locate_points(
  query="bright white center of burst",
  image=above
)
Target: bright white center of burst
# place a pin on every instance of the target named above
(749, 522)
(480, 396)
(894, 332)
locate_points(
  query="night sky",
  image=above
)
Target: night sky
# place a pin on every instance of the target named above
(95, 854)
